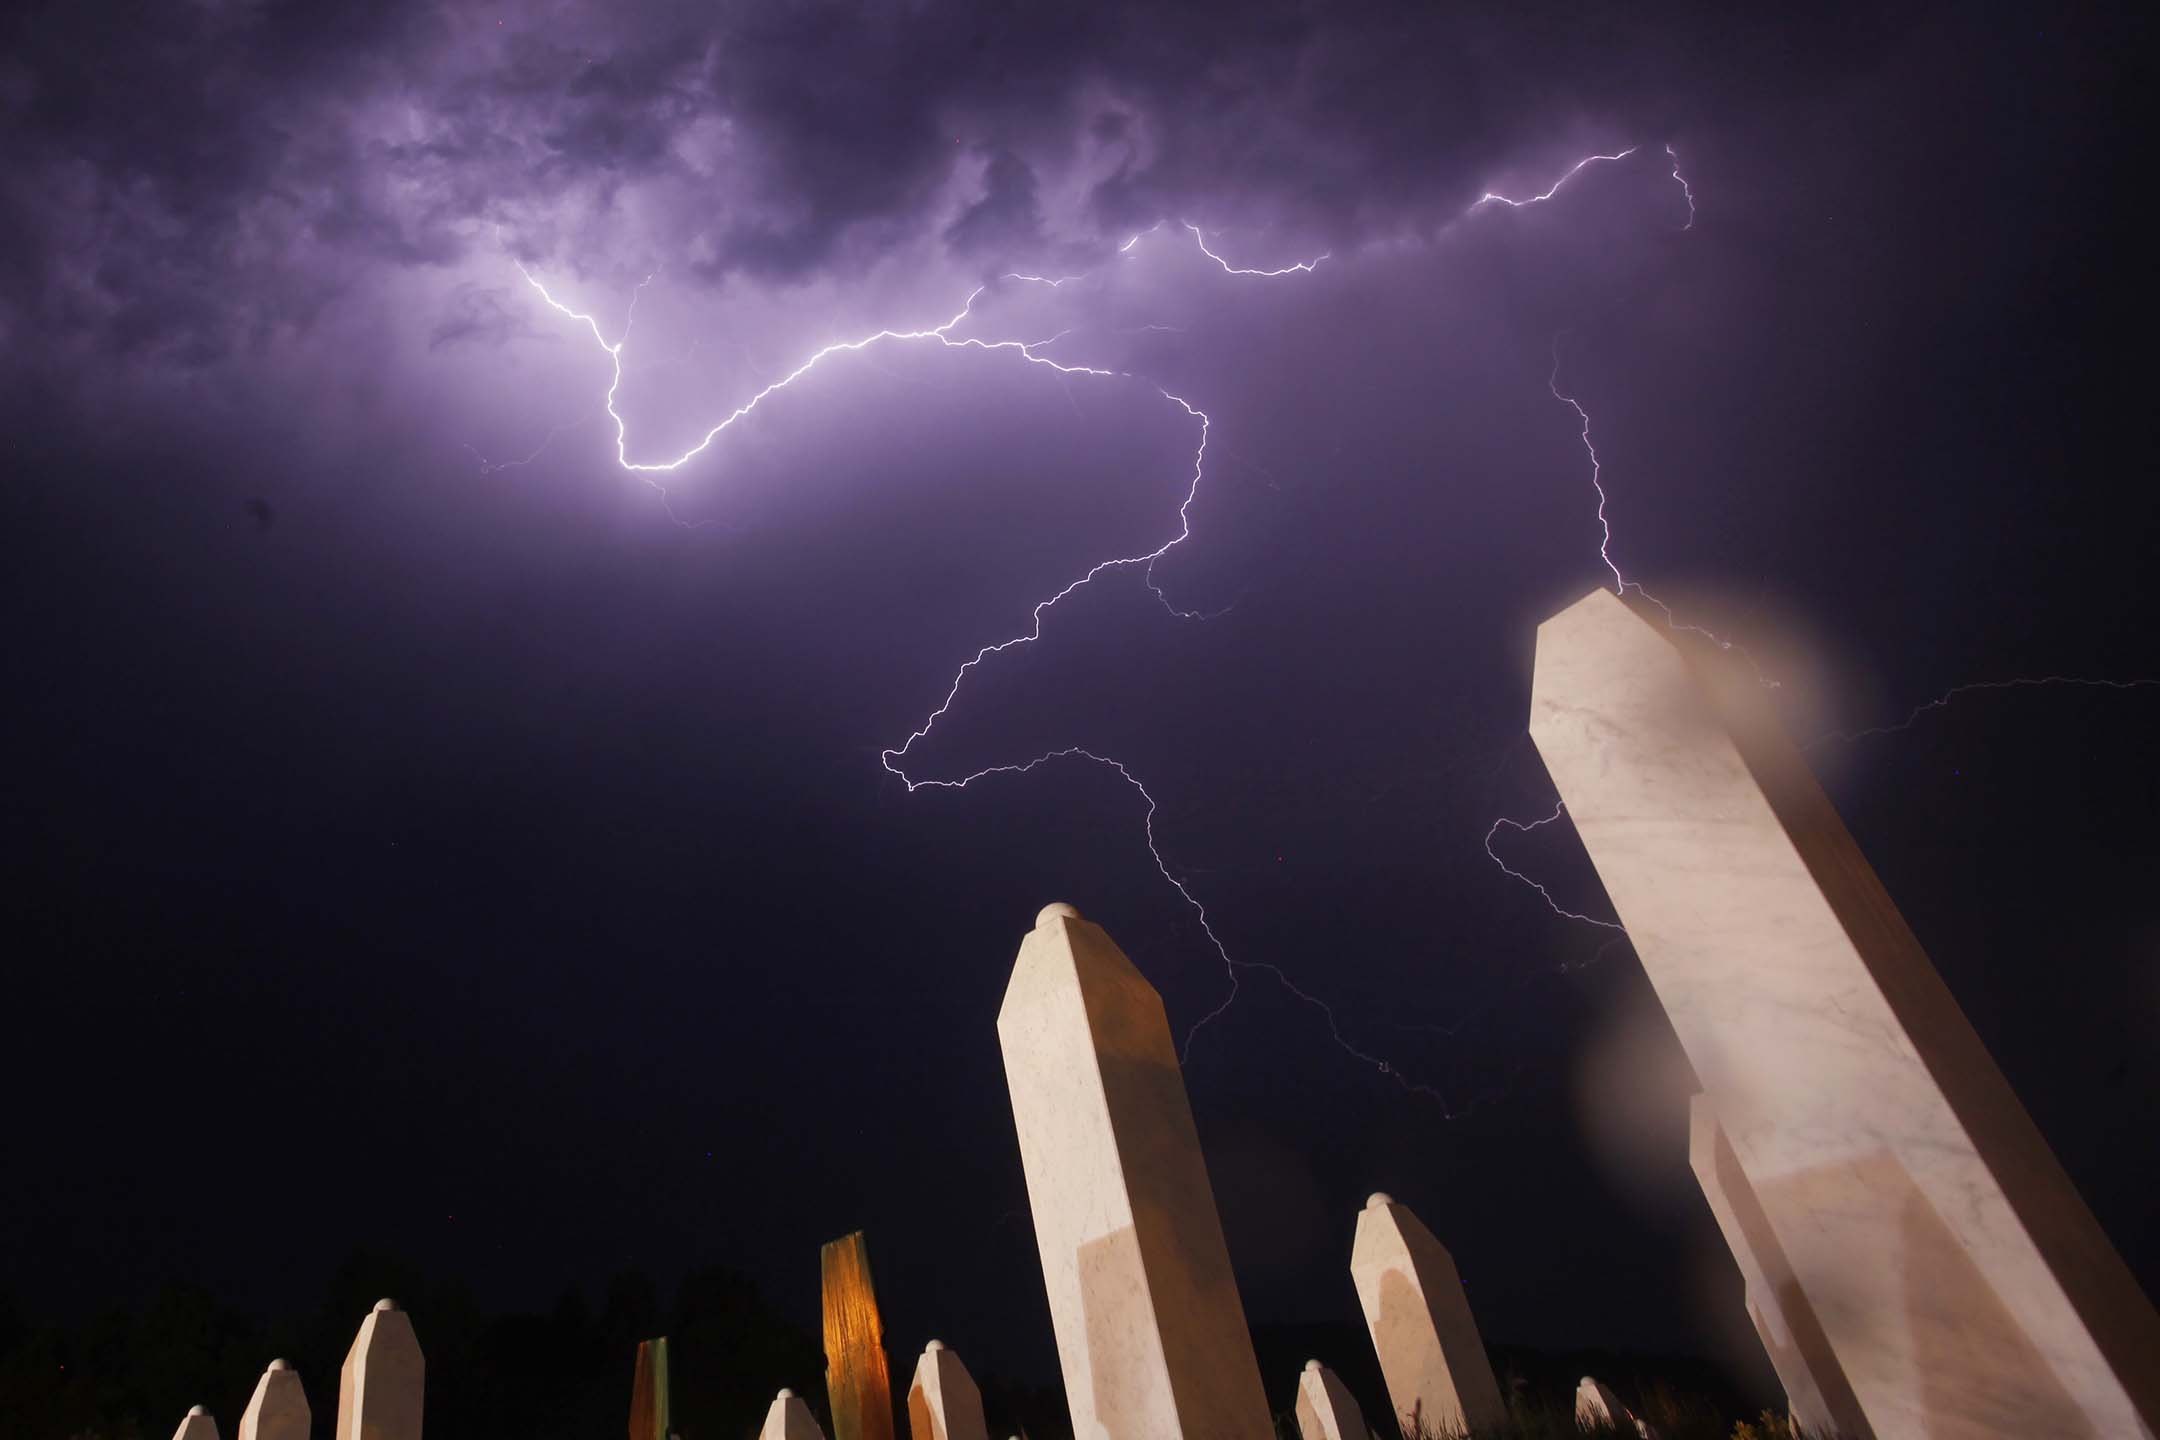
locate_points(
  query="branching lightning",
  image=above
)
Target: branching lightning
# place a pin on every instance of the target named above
(893, 759)
(1942, 701)
(1029, 352)
(1301, 267)
(1597, 474)
(1685, 188)
(491, 467)
(1621, 584)
(1490, 198)
(1523, 827)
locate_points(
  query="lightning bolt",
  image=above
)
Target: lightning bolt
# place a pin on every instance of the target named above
(1029, 352)
(1685, 188)
(1942, 701)
(1231, 965)
(1524, 827)
(1621, 584)
(1302, 267)
(491, 467)
(1490, 198)
(1597, 472)
(893, 759)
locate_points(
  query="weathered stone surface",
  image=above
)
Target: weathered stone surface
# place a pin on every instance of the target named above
(380, 1387)
(1325, 1408)
(1815, 1386)
(1151, 1335)
(649, 1392)
(943, 1402)
(278, 1410)
(857, 1381)
(197, 1426)
(1435, 1365)
(1596, 1408)
(1599, 1408)
(1961, 1282)
(788, 1418)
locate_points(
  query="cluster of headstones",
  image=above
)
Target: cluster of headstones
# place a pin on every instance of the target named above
(943, 1403)
(1915, 1260)
(379, 1390)
(1151, 1335)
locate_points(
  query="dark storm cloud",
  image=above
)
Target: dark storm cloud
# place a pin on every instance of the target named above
(185, 179)
(1007, 218)
(166, 162)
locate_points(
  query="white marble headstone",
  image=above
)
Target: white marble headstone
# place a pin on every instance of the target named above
(943, 1401)
(788, 1418)
(278, 1410)
(1151, 1336)
(1326, 1410)
(197, 1426)
(381, 1386)
(1959, 1279)
(1435, 1365)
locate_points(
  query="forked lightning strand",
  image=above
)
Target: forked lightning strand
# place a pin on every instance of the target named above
(1028, 351)
(1685, 188)
(1302, 266)
(1943, 700)
(1597, 473)
(1523, 828)
(892, 759)
(1621, 584)
(1490, 198)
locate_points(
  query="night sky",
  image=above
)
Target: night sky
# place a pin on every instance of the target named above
(492, 864)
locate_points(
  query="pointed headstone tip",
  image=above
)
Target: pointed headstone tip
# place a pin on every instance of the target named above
(1052, 911)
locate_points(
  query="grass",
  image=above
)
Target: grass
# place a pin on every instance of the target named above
(1671, 1416)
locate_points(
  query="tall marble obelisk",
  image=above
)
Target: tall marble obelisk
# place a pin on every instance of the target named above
(1961, 1282)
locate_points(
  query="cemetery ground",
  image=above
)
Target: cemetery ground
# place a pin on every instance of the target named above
(567, 1371)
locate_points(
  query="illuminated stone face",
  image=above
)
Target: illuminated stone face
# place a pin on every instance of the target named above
(788, 1418)
(197, 1425)
(1435, 1365)
(278, 1410)
(943, 1401)
(380, 1387)
(856, 1379)
(1597, 1408)
(1816, 1390)
(1325, 1408)
(649, 1392)
(1959, 1280)
(1151, 1336)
